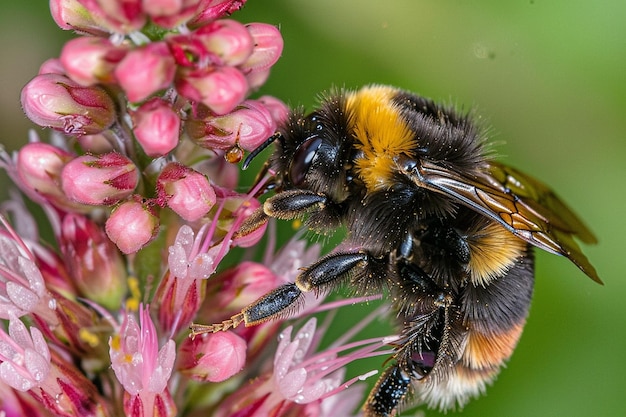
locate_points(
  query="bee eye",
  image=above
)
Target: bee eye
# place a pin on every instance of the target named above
(304, 156)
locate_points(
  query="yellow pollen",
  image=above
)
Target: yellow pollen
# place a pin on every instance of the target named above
(132, 304)
(115, 342)
(88, 337)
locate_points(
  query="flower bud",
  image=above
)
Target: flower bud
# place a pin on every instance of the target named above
(94, 261)
(170, 13)
(53, 100)
(221, 89)
(117, 16)
(187, 192)
(72, 15)
(276, 107)
(212, 357)
(249, 125)
(52, 66)
(95, 144)
(268, 45)
(89, 60)
(210, 10)
(99, 180)
(145, 71)
(132, 225)
(257, 78)
(227, 39)
(156, 127)
(39, 167)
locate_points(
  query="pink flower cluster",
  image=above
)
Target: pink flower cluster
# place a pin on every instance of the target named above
(150, 111)
(136, 106)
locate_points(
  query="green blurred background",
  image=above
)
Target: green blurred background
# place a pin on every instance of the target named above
(549, 76)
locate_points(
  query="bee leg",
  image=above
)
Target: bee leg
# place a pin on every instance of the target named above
(277, 303)
(287, 205)
(390, 390)
(287, 298)
(292, 204)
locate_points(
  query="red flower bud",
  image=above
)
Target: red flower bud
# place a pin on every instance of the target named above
(187, 192)
(268, 45)
(220, 89)
(144, 71)
(249, 125)
(53, 100)
(90, 60)
(156, 127)
(132, 225)
(212, 357)
(99, 180)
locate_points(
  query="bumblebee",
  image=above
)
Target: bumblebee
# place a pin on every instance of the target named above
(445, 231)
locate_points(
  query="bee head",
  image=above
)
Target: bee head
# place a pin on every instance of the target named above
(310, 154)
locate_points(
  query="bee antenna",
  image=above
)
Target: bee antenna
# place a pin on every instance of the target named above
(260, 149)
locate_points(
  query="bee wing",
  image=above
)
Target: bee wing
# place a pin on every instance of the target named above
(522, 204)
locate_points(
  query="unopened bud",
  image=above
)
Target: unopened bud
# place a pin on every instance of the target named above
(221, 89)
(90, 60)
(99, 180)
(156, 127)
(53, 100)
(227, 39)
(208, 11)
(145, 71)
(187, 192)
(95, 263)
(39, 166)
(212, 357)
(72, 15)
(132, 225)
(249, 125)
(170, 13)
(268, 46)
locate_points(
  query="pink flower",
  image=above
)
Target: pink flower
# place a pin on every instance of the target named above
(117, 16)
(132, 225)
(249, 125)
(221, 89)
(268, 46)
(95, 144)
(210, 10)
(179, 293)
(71, 15)
(53, 100)
(187, 192)
(25, 356)
(141, 367)
(228, 40)
(22, 287)
(52, 66)
(99, 180)
(170, 13)
(38, 167)
(146, 70)
(276, 107)
(90, 60)
(29, 365)
(156, 127)
(212, 357)
(300, 378)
